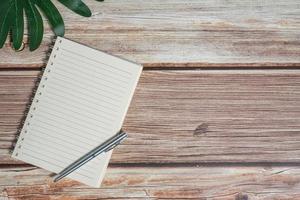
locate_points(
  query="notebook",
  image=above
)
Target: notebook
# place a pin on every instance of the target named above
(81, 101)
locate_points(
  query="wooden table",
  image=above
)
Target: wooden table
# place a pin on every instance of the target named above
(216, 114)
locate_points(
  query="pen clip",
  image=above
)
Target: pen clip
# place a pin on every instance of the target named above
(112, 147)
(116, 144)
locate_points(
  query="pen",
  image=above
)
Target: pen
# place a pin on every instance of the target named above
(104, 147)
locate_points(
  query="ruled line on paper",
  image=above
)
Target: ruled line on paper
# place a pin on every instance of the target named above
(68, 111)
(72, 91)
(75, 110)
(81, 76)
(78, 119)
(69, 68)
(64, 156)
(35, 135)
(84, 101)
(99, 118)
(96, 61)
(57, 119)
(62, 139)
(63, 142)
(67, 131)
(88, 82)
(91, 132)
(51, 151)
(86, 106)
(96, 87)
(94, 69)
(114, 98)
(54, 164)
(41, 159)
(97, 69)
(51, 158)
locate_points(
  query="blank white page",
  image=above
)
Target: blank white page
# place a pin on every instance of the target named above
(81, 101)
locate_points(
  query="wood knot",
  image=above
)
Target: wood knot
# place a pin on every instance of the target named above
(241, 196)
(201, 129)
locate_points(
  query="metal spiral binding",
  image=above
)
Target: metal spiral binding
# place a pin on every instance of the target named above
(36, 87)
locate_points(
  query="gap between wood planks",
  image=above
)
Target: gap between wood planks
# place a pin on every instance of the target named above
(180, 165)
(182, 68)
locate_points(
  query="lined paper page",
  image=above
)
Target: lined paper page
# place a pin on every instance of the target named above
(81, 101)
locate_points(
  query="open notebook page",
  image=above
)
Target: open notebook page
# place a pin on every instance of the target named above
(81, 101)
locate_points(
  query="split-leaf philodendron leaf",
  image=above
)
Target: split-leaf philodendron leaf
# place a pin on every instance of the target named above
(12, 19)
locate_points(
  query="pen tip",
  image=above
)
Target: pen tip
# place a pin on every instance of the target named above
(56, 178)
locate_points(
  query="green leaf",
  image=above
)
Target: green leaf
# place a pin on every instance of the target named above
(17, 24)
(12, 18)
(5, 20)
(77, 6)
(53, 16)
(35, 25)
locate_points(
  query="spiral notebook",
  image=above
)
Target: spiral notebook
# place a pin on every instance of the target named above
(81, 101)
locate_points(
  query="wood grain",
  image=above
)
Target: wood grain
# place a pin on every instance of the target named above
(226, 183)
(190, 33)
(190, 116)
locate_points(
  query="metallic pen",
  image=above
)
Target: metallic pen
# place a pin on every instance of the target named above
(104, 147)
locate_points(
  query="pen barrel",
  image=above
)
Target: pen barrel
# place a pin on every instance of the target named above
(104, 147)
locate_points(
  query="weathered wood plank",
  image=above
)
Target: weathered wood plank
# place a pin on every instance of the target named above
(190, 116)
(222, 183)
(183, 33)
